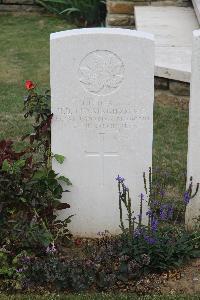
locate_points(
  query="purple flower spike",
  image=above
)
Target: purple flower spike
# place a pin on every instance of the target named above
(120, 179)
(186, 198)
(162, 193)
(51, 249)
(149, 213)
(138, 232)
(154, 224)
(20, 270)
(166, 212)
(170, 212)
(155, 203)
(150, 240)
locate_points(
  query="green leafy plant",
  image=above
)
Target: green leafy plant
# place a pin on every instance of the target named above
(30, 191)
(163, 241)
(82, 12)
(5, 269)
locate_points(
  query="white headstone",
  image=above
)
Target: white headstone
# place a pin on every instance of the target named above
(193, 168)
(102, 83)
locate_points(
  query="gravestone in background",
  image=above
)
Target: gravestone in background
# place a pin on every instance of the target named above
(102, 83)
(193, 168)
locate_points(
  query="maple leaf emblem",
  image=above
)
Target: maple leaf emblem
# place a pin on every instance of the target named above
(101, 72)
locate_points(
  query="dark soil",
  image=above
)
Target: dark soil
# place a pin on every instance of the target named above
(185, 281)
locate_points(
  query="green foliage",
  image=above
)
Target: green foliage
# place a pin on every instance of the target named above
(169, 247)
(30, 191)
(5, 270)
(163, 241)
(60, 158)
(110, 261)
(82, 12)
(13, 168)
(73, 275)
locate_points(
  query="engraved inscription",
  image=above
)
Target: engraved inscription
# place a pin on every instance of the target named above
(99, 115)
(101, 72)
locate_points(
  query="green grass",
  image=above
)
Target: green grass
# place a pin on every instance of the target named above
(170, 143)
(25, 55)
(117, 296)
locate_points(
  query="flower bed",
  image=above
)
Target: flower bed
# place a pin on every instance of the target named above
(37, 250)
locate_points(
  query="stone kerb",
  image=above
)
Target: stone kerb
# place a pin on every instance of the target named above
(121, 12)
(102, 83)
(19, 6)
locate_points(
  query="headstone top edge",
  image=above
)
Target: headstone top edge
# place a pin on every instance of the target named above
(111, 31)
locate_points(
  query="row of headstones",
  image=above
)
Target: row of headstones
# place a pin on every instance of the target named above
(102, 83)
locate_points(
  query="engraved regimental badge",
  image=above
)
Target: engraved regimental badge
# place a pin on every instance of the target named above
(101, 72)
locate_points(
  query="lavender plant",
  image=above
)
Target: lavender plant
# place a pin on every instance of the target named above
(162, 229)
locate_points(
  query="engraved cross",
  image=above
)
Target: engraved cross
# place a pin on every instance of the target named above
(102, 154)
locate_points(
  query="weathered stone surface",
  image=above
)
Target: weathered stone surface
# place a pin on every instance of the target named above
(126, 8)
(120, 20)
(142, 3)
(180, 3)
(121, 7)
(102, 83)
(193, 166)
(173, 48)
(179, 88)
(18, 1)
(9, 8)
(20, 8)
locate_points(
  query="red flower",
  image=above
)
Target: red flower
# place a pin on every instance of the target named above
(29, 85)
(78, 242)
